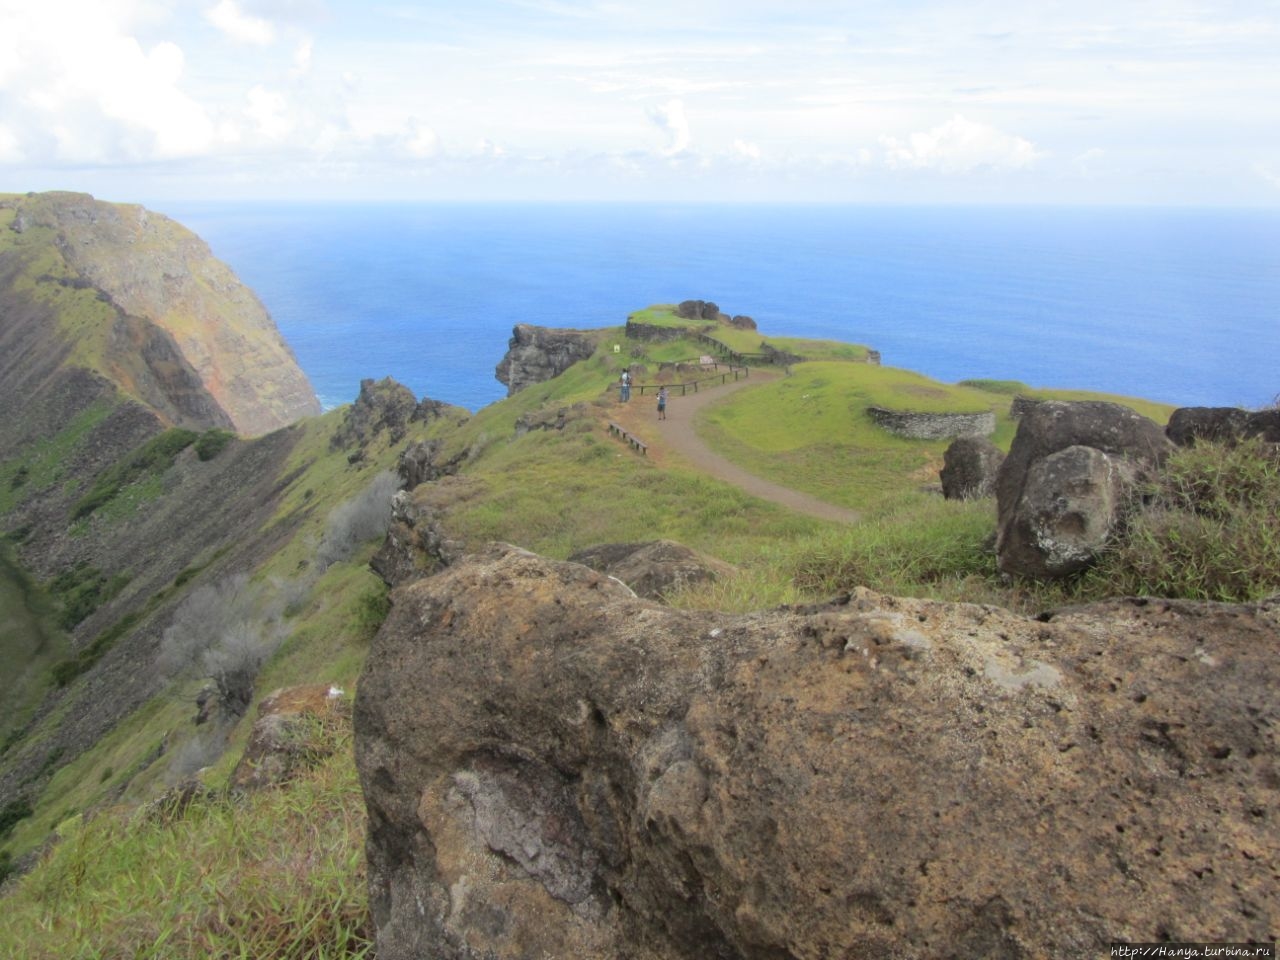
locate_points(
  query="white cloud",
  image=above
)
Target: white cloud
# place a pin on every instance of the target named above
(79, 89)
(744, 148)
(241, 27)
(671, 120)
(960, 146)
(1266, 173)
(270, 113)
(421, 142)
(302, 58)
(9, 149)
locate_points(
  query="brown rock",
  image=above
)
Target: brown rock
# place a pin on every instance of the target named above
(652, 569)
(553, 767)
(279, 745)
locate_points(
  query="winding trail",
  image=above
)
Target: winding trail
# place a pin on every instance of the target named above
(676, 434)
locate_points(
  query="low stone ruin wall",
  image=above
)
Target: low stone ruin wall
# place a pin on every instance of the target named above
(649, 331)
(934, 426)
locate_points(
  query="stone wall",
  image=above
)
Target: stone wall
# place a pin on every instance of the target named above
(934, 426)
(647, 331)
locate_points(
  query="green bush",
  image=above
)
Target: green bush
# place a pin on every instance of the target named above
(11, 813)
(372, 608)
(81, 590)
(212, 442)
(1208, 528)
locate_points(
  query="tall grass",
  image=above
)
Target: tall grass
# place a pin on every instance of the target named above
(279, 874)
(931, 548)
(1209, 528)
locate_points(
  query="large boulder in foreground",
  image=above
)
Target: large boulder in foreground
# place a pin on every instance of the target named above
(555, 768)
(1062, 488)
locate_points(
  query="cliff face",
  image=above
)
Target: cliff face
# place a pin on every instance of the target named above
(142, 303)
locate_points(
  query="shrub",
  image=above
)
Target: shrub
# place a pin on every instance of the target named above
(372, 609)
(228, 630)
(1208, 528)
(11, 813)
(358, 520)
(82, 590)
(212, 442)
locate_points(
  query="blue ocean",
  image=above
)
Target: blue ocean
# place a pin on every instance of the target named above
(1177, 305)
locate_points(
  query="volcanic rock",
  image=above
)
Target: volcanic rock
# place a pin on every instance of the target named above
(555, 768)
(1057, 502)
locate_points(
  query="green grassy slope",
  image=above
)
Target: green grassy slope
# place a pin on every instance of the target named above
(141, 886)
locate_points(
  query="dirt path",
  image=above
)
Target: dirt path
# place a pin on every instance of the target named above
(677, 435)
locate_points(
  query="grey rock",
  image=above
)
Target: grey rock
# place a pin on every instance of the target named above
(536, 354)
(1046, 515)
(969, 468)
(1189, 424)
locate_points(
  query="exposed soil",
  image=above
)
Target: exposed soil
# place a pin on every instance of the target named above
(677, 434)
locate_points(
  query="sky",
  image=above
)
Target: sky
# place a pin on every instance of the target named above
(977, 101)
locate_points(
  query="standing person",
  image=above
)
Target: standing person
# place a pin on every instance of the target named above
(662, 403)
(626, 386)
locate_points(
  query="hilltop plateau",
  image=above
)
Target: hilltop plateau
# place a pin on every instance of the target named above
(742, 682)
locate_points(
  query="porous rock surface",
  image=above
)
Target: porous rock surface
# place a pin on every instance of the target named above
(969, 468)
(653, 568)
(280, 745)
(555, 768)
(1189, 424)
(536, 354)
(1061, 490)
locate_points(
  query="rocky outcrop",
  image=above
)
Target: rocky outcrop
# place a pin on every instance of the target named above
(422, 462)
(554, 768)
(1189, 424)
(170, 304)
(700, 310)
(933, 426)
(655, 568)
(416, 543)
(381, 405)
(742, 322)
(281, 744)
(1061, 490)
(969, 468)
(536, 354)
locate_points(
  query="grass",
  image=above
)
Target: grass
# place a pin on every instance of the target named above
(1208, 529)
(279, 874)
(143, 466)
(43, 463)
(30, 643)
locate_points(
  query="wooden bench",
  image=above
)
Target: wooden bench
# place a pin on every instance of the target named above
(631, 438)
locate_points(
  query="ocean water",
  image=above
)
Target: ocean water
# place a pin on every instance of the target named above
(1178, 305)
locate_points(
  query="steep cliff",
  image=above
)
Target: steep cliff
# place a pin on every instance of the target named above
(128, 301)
